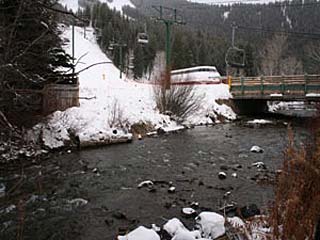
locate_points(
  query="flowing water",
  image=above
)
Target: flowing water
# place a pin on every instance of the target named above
(51, 202)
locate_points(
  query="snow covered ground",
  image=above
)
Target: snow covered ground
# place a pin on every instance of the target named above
(103, 94)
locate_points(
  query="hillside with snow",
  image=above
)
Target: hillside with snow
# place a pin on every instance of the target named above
(113, 4)
(104, 94)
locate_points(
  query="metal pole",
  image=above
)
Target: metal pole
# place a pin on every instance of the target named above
(73, 42)
(168, 54)
(120, 62)
(233, 33)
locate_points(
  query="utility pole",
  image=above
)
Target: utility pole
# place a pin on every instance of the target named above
(73, 43)
(168, 23)
(120, 46)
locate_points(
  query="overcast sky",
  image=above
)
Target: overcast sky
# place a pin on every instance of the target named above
(232, 1)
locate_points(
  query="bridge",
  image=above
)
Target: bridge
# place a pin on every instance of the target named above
(250, 94)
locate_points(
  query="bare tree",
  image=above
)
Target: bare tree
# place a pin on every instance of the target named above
(275, 60)
(180, 101)
(272, 54)
(313, 57)
(291, 66)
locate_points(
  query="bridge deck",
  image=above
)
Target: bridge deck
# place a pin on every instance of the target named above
(277, 88)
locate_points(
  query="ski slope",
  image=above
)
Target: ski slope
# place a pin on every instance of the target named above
(101, 89)
(117, 4)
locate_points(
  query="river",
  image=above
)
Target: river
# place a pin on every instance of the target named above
(108, 179)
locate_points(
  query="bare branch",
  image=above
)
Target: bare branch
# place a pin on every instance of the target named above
(95, 64)
(51, 8)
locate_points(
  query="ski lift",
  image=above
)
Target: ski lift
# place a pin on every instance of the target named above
(143, 38)
(235, 57)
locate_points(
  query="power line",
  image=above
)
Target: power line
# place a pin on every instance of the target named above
(306, 34)
(236, 4)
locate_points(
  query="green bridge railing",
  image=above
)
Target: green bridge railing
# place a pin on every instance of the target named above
(264, 86)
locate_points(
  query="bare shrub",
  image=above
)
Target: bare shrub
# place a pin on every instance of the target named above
(116, 117)
(179, 100)
(296, 210)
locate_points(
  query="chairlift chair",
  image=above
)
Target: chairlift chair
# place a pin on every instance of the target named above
(143, 38)
(235, 57)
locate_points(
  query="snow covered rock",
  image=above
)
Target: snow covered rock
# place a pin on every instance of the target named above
(173, 226)
(211, 224)
(141, 233)
(171, 189)
(188, 211)
(222, 175)
(187, 235)
(147, 183)
(236, 222)
(78, 202)
(256, 149)
(259, 165)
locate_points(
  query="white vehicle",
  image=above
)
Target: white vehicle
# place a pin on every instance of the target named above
(196, 75)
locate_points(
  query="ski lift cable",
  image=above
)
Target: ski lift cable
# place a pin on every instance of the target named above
(305, 34)
(240, 3)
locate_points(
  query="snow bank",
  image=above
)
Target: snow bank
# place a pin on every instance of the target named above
(104, 94)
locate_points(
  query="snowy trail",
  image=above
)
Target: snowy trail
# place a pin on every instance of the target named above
(101, 87)
(117, 4)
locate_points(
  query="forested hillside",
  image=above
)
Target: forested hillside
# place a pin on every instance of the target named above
(278, 38)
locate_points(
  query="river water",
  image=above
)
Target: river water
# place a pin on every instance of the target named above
(108, 178)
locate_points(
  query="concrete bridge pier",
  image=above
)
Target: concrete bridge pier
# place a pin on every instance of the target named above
(250, 106)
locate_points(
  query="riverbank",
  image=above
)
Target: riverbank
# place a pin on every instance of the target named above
(110, 106)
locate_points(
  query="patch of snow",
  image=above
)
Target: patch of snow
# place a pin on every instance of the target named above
(259, 121)
(140, 233)
(313, 95)
(226, 15)
(71, 4)
(211, 224)
(278, 106)
(256, 149)
(119, 4)
(276, 95)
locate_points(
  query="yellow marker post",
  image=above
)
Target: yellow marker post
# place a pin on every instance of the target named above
(229, 81)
